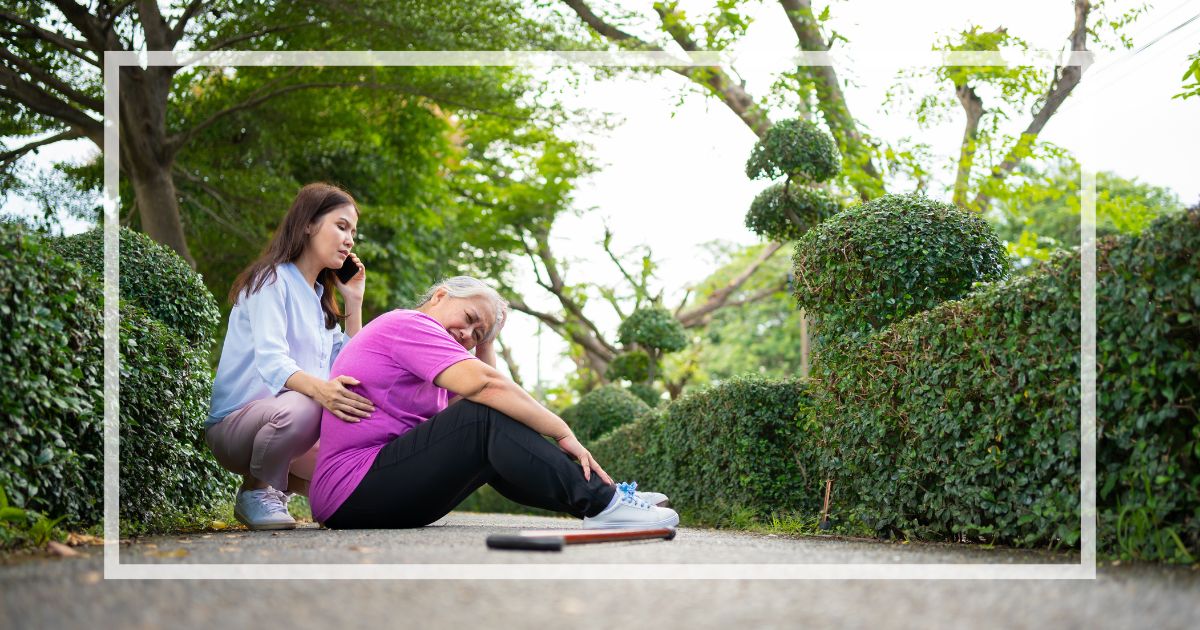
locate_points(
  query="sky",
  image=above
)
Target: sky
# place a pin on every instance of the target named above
(672, 178)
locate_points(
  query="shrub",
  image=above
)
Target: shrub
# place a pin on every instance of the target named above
(54, 412)
(166, 468)
(786, 211)
(652, 327)
(794, 148)
(746, 444)
(884, 260)
(631, 366)
(50, 364)
(154, 278)
(602, 410)
(646, 393)
(964, 420)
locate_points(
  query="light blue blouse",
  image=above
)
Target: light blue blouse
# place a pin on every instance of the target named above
(273, 334)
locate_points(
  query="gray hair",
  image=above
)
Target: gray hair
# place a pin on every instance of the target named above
(466, 287)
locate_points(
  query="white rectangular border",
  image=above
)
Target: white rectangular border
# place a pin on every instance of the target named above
(114, 569)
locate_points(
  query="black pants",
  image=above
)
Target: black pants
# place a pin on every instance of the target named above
(422, 475)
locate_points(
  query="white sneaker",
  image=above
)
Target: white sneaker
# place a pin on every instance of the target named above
(653, 498)
(631, 511)
(262, 509)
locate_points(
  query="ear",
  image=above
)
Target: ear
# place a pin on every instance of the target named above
(438, 295)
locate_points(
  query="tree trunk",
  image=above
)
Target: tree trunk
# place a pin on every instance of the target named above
(973, 106)
(147, 156)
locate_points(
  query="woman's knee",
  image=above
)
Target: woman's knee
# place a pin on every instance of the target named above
(298, 414)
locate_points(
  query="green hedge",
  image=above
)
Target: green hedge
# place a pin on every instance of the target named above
(746, 445)
(602, 410)
(881, 261)
(154, 278)
(51, 369)
(797, 149)
(964, 420)
(51, 436)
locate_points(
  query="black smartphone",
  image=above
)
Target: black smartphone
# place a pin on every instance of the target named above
(348, 270)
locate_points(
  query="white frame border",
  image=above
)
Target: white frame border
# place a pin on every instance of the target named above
(115, 569)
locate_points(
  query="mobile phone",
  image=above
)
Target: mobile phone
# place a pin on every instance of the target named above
(347, 271)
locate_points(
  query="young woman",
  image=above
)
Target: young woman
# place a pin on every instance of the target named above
(273, 380)
(415, 458)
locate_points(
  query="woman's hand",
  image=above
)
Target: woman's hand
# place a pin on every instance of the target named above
(570, 444)
(341, 402)
(353, 291)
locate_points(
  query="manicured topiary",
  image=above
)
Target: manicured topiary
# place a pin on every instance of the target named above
(797, 149)
(653, 327)
(964, 420)
(166, 468)
(631, 366)
(50, 364)
(646, 393)
(785, 211)
(602, 410)
(884, 260)
(154, 278)
(51, 358)
(746, 445)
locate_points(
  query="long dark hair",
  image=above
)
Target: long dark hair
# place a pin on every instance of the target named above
(311, 203)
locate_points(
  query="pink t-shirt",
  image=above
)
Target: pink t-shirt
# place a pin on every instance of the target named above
(396, 357)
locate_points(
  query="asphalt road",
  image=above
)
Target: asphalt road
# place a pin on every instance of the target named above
(71, 592)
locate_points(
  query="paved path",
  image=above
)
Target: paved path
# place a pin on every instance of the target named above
(70, 593)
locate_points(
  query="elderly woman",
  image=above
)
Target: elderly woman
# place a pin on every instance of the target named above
(415, 458)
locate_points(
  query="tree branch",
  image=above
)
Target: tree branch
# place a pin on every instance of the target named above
(73, 47)
(831, 101)
(190, 12)
(1066, 78)
(694, 316)
(154, 26)
(507, 355)
(15, 88)
(15, 154)
(235, 39)
(973, 105)
(54, 82)
(715, 78)
(99, 37)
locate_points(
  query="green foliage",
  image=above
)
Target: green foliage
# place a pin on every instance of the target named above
(1042, 207)
(1192, 72)
(884, 260)
(653, 327)
(20, 527)
(744, 446)
(54, 411)
(964, 420)
(784, 211)
(153, 278)
(487, 500)
(602, 410)
(631, 366)
(50, 362)
(797, 149)
(646, 393)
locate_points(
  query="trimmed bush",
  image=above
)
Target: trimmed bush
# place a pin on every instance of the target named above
(646, 393)
(964, 420)
(154, 278)
(786, 217)
(53, 413)
(50, 363)
(631, 366)
(602, 410)
(794, 148)
(884, 260)
(653, 327)
(744, 445)
(166, 467)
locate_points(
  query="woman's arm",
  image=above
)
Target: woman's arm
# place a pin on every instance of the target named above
(332, 395)
(479, 382)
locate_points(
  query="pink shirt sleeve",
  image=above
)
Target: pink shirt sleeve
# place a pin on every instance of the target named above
(424, 348)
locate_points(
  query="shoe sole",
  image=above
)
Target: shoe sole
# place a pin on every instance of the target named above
(265, 527)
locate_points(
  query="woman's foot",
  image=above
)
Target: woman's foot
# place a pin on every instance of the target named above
(262, 509)
(629, 510)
